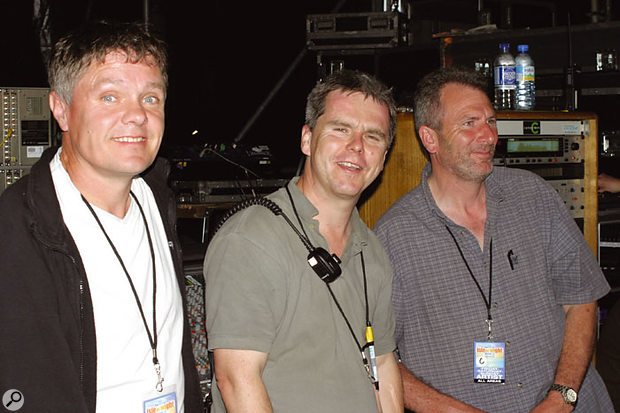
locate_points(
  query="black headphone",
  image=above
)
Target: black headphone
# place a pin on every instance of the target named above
(324, 264)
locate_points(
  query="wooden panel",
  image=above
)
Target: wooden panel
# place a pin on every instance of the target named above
(545, 115)
(402, 172)
(590, 185)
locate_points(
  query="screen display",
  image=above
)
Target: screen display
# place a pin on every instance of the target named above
(532, 145)
(35, 132)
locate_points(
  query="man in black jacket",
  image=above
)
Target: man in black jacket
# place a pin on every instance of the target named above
(91, 286)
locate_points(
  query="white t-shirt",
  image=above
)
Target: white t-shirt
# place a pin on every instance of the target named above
(125, 373)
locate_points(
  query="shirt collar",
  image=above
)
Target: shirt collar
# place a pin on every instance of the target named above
(307, 212)
(495, 191)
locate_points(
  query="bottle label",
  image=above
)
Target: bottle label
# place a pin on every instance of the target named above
(525, 74)
(505, 77)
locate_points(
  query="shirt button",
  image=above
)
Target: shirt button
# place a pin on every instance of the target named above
(507, 343)
(495, 304)
(519, 385)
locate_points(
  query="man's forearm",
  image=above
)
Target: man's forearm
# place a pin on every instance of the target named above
(250, 397)
(422, 398)
(390, 384)
(238, 376)
(576, 355)
(578, 346)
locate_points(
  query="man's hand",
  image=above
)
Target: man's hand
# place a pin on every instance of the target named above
(553, 403)
(607, 183)
(422, 398)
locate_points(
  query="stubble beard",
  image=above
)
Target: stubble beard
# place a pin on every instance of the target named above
(467, 169)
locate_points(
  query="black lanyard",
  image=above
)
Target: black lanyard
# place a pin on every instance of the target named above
(488, 302)
(370, 344)
(152, 337)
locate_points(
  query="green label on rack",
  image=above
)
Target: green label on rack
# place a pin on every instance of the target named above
(531, 127)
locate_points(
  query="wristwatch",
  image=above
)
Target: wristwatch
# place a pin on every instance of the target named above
(569, 394)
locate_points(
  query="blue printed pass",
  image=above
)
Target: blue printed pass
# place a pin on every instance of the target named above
(489, 362)
(166, 403)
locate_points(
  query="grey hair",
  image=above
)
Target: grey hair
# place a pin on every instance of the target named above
(74, 52)
(427, 96)
(427, 105)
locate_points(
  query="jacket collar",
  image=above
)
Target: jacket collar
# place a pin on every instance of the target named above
(41, 200)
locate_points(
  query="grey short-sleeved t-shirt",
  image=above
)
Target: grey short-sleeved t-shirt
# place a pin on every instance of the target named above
(262, 295)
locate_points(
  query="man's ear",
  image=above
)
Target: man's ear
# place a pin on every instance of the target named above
(306, 140)
(59, 109)
(429, 138)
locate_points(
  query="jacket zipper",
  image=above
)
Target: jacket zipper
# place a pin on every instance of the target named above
(81, 331)
(81, 286)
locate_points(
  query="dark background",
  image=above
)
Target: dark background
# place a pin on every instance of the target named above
(226, 58)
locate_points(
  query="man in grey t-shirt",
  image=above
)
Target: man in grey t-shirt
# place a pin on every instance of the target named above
(284, 339)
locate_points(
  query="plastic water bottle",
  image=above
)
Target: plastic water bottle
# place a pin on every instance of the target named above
(505, 76)
(526, 87)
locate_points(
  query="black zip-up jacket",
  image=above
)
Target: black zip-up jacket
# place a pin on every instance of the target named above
(47, 332)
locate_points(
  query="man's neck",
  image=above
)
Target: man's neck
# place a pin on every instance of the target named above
(334, 217)
(111, 195)
(451, 193)
(464, 202)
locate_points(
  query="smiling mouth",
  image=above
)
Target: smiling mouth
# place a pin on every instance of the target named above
(129, 139)
(487, 151)
(483, 153)
(349, 165)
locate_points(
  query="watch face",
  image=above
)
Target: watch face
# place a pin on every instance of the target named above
(571, 395)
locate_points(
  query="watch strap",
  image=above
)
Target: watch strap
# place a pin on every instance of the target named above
(568, 393)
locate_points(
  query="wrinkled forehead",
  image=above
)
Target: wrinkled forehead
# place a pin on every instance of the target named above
(457, 97)
(114, 61)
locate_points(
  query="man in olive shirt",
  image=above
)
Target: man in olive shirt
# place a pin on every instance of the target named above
(285, 340)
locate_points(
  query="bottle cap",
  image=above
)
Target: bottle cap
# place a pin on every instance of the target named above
(523, 48)
(504, 47)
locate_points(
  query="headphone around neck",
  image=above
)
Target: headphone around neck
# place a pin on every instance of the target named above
(324, 264)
